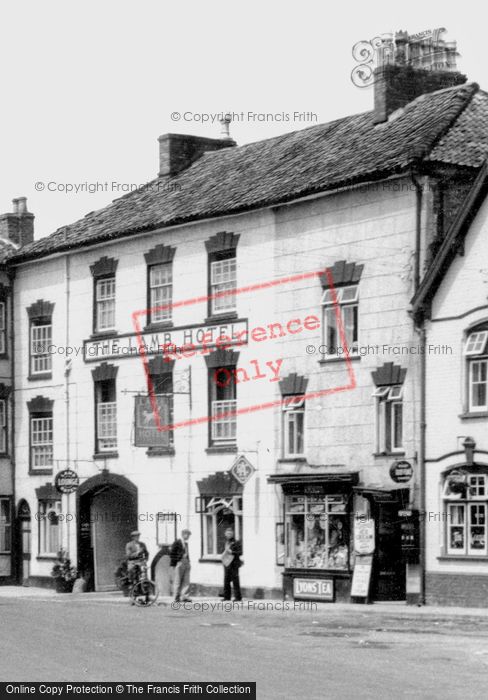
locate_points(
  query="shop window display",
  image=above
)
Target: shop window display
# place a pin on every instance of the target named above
(317, 532)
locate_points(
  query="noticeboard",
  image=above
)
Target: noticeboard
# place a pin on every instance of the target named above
(361, 578)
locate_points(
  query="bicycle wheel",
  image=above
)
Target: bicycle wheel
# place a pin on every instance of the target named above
(144, 593)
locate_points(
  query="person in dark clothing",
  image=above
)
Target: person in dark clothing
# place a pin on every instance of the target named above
(136, 553)
(231, 562)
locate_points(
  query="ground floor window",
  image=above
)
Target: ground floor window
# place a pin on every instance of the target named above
(466, 508)
(49, 527)
(218, 514)
(316, 532)
(5, 525)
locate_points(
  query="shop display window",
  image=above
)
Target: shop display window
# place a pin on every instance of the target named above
(316, 532)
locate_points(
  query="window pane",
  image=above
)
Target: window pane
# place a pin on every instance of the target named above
(223, 279)
(296, 553)
(456, 534)
(41, 338)
(161, 291)
(397, 437)
(476, 343)
(330, 324)
(349, 294)
(479, 384)
(105, 306)
(477, 530)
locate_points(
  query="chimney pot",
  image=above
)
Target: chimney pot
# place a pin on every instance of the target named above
(22, 201)
(15, 206)
(18, 226)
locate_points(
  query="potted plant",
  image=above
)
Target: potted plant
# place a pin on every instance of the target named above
(63, 573)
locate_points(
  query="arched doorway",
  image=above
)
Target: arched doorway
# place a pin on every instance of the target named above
(107, 508)
(23, 542)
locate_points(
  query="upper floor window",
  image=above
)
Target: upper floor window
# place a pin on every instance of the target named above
(340, 308)
(293, 426)
(223, 279)
(476, 353)
(222, 263)
(104, 378)
(40, 332)
(3, 426)
(3, 328)
(41, 433)
(103, 272)
(389, 391)
(222, 396)
(159, 262)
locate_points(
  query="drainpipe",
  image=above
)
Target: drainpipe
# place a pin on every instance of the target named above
(420, 327)
(14, 531)
(67, 369)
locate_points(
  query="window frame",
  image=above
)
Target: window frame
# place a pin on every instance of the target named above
(328, 310)
(234, 503)
(387, 399)
(97, 281)
(45, 508)
(150, 288)
(213, 391)
(481, 361)
(38, 416)
(3, 328)
(468, 501)
(111, 384)
(6, 526)
(214, 258)
(4, 448)
(292, 407)
(43, 324)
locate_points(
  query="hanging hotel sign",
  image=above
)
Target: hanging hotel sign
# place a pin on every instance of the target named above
(185, 341)
(242, 469)
(313, 588)
(364, 535)
(66, 481)
(146, 431)
(401, 471)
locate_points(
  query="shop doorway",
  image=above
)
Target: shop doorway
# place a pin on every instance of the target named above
(389, 570)
(24, 542)
(107, 515)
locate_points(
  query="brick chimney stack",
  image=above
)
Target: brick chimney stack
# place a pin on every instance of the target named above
(410, 66)
(178, 151)
(18, 226)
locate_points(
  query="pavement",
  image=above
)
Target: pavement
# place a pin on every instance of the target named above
(290, 650)
(396, 607)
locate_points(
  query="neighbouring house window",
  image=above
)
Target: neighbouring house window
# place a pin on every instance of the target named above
(49, 527)
(163, 389)
(41, 441)
(293, 425)
(105, 415)
(389, 418)
(41, 337)
(160, 292)
(466, 503)
(105, 304)
(218, 514)
(3, 426)
(223, 403)
(5, 525)
(3, 327)
(346, 307)
(316, 532)
(223, 278)
(476, 353)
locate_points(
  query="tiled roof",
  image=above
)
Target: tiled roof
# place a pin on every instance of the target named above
(319, 158)
(7, 249)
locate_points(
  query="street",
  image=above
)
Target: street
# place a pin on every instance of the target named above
(320, 652)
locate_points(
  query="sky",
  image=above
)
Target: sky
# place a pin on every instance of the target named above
(89, 86)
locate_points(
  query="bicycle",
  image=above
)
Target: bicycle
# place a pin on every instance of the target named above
(144, 592)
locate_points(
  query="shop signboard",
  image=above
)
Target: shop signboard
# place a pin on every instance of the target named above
(361, 577)
(401, 471)
(242, 469)
(147, 433)
(66, 481)
(313, 589)
(364, 535)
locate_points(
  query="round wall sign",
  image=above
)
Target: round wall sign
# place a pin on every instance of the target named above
(66, 481)
(401, 471)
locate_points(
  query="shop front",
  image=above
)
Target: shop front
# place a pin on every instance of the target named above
(318, 526)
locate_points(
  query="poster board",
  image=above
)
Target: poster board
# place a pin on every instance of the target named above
(361, 578)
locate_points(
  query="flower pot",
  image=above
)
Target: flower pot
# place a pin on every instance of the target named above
(63, 586)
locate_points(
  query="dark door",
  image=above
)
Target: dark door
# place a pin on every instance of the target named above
(389, 570)
(24, 542)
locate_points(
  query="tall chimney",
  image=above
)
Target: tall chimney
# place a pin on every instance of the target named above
(18, 226)
(178, 151)
(421, 64)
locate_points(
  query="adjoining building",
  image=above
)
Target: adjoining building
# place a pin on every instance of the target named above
(269, 288)
(452, 303)
(16, 230)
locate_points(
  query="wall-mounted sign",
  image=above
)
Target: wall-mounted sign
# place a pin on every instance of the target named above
(66, 481)
(361, 578)
(401, 471)
(364, 535)
(242, 469)
(174, 340)
(313, 588)
(146, 430)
